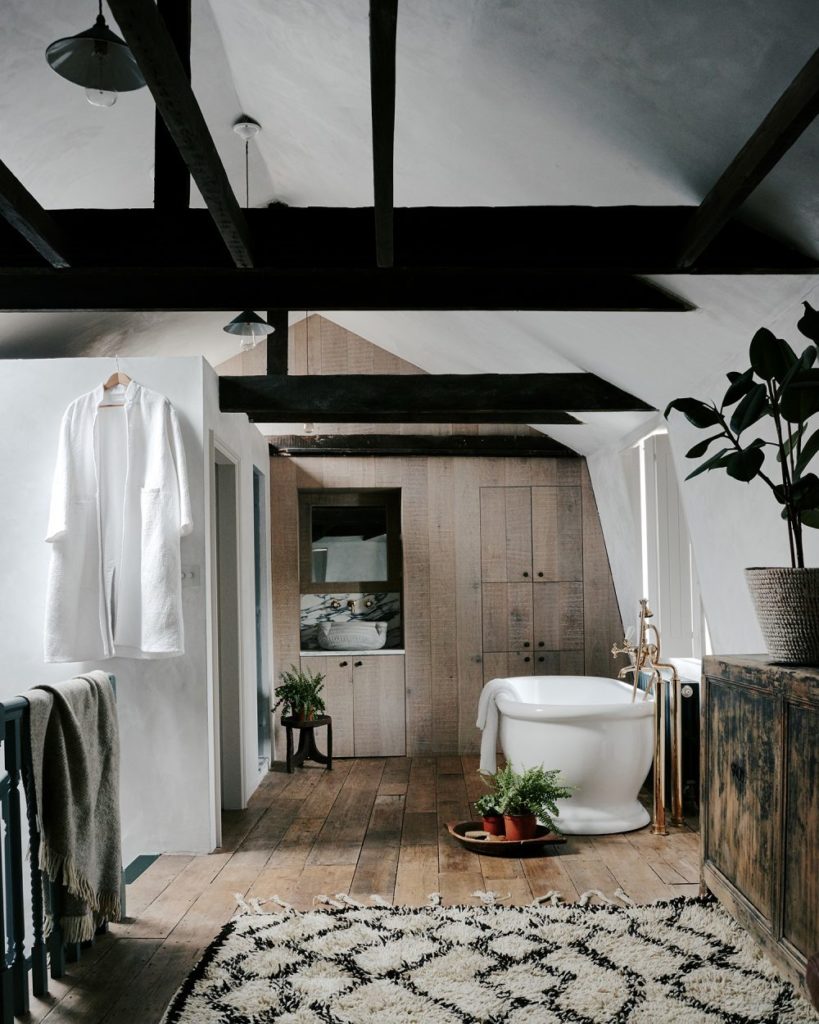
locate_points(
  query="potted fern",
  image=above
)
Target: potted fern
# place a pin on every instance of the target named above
(781, 389)
(524, 797)
(486, 806)
(300, 694)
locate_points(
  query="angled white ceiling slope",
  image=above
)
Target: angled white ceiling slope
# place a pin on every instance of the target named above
(521, 102)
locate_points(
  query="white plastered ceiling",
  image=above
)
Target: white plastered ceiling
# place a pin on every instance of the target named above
(522, 102)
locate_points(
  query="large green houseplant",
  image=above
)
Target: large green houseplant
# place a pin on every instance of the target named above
(764, 429)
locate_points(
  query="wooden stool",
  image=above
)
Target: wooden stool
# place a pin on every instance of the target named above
(307, 741)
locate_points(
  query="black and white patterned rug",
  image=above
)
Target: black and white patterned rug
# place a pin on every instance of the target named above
(681, 962)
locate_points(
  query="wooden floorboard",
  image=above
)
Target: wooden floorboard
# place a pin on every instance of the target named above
(373, 826)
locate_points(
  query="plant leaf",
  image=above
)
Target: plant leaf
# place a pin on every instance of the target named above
(805, 492)
(701, 447)
(715, 462)
(746, 464)
(799, 399)
(752, 408)
(809, 449)
(810, 517)
(771, 357)
(695, 411)
(790, 442)
(740, 386)
(808, 324)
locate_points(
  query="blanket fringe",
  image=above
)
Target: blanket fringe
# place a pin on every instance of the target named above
(60, 868)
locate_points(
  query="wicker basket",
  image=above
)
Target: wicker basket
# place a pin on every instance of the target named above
(787, 606)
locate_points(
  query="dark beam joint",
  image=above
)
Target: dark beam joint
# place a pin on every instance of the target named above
(795, 109)
(277, 342)
(159, 62)
(383, 27)
(425, 445)
(172, 180)
(425, 398)
(19, 207)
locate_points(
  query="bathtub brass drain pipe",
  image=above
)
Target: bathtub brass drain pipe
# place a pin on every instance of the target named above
(645, 656)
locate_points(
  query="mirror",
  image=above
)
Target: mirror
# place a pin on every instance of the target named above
(348, 542)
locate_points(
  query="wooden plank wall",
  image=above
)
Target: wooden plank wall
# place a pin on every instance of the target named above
(442, 576)
(441, 524)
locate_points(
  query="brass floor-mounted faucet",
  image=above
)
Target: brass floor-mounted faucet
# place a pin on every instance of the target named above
(645, 657)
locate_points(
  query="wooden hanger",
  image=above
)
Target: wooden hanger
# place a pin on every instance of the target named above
(118, 377)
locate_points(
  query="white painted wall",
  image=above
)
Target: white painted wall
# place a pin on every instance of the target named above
(164, 706)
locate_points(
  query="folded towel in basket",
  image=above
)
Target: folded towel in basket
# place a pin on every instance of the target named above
(75, 766)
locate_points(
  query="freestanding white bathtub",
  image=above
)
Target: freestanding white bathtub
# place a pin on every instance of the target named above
(588, 727)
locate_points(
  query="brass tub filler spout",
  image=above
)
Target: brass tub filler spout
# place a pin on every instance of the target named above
(645, 657)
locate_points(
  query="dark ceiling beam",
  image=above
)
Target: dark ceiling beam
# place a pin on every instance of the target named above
(788, 118)
(155, 52)
(205, 288)
(425, 398)
(462, 445)
(383, 25)
(620, 240)
(172, 180)
(30, 221)
(277, 354)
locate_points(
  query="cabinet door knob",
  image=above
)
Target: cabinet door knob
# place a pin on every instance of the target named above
(541, 658)
(525, 643)
(357, 664)
(526, 574)
(527, 658)
(541, 643)
(540, 574)
(342, 664)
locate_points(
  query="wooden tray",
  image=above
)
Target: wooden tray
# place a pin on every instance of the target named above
(507, 848)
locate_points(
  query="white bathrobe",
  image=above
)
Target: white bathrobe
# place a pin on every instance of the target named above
(119, 506)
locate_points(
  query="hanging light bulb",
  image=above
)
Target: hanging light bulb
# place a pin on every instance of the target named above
(98, 60)
(250, 327)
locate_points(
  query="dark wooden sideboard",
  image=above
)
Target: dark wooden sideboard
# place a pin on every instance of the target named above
(760, 802)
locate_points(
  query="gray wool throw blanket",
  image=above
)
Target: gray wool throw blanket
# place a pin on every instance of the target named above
(75, 762)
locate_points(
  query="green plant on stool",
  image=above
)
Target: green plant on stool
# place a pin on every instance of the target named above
(486, 806)
(524, 797)
(299, 694)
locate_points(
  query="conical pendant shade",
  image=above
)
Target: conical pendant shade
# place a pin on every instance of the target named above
(248, 324)
(97, 59)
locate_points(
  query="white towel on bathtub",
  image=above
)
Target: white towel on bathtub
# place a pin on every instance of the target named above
(488, 720)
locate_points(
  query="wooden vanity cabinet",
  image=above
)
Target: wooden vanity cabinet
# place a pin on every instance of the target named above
(364, 694)
(760, 802)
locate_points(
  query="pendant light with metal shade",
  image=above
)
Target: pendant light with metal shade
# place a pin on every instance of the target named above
(97, 59)
(250, 327)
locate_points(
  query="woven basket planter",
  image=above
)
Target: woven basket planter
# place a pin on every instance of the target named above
(787, 606)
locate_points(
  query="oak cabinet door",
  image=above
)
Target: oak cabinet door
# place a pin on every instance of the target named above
(558, 616)
(743, 776)
(557, 534)
(378, 701)
(338, 698)
(507, 616)
(506, 534)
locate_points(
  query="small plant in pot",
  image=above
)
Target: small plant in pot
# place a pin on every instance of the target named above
(780, 390)
(299, 694)
(524, 797)
(486, 806)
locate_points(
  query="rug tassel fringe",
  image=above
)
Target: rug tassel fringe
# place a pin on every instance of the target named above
(434, 899)
(587, 895)
(624, 897)
(378, 901)
(490, 898)
(553, 896)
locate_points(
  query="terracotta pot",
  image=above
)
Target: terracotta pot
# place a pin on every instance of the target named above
(787, 607)
(520, 826)
(493, 824)
(301, 716)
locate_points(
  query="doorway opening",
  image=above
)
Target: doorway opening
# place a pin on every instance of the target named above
(228, 661)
